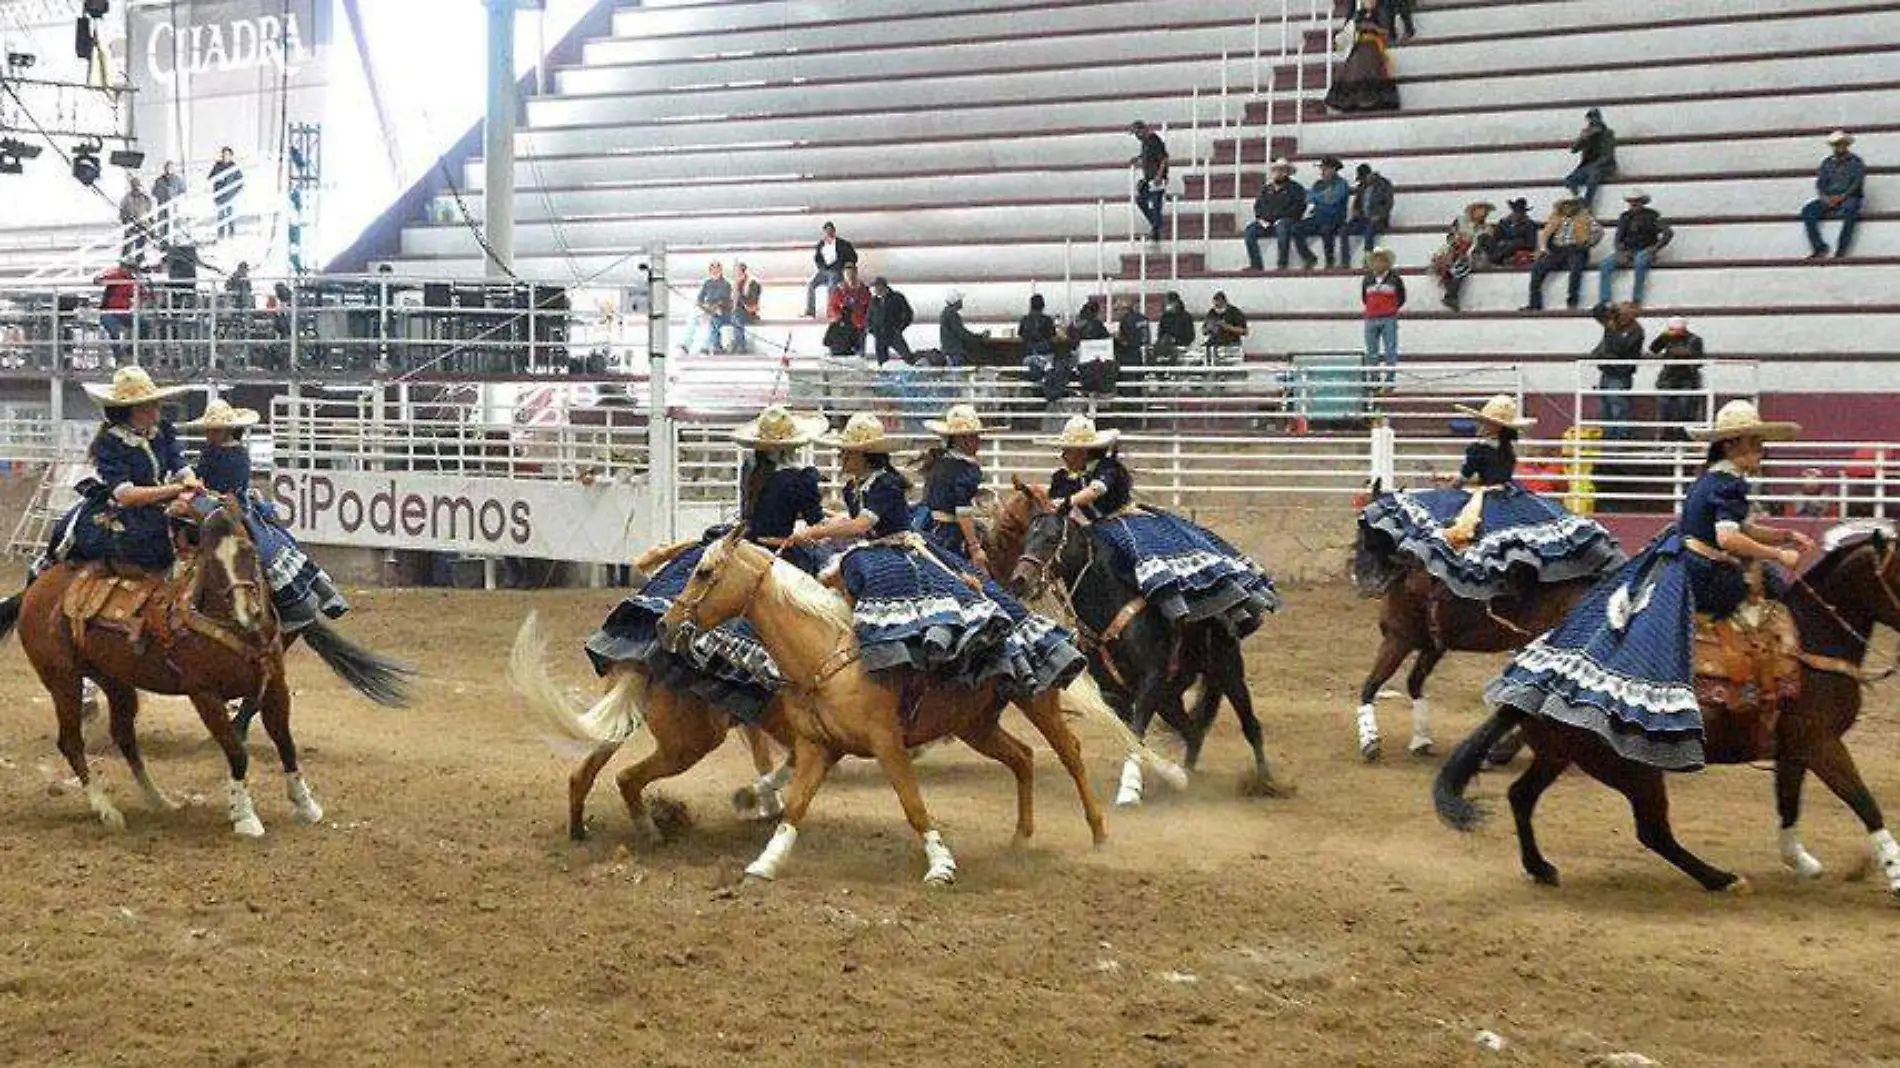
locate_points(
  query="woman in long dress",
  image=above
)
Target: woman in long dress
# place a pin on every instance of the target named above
(1364, 81)
(138, 471)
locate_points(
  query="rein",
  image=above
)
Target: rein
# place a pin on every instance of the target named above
(1836, 665)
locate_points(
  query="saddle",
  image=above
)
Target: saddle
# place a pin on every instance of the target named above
(148, 609)
(1747, 674)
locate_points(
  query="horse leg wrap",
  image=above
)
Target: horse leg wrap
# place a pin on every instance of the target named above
(302, 799)
(1795, 856)
(1368, 724)
(242, 810)
(772, 858)
(102, 805)
(1130, 791)
(943, 866)
(1421, 744)
(1887, 855)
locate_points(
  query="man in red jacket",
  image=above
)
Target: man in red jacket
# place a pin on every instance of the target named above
(1383, 292)
(123, 288)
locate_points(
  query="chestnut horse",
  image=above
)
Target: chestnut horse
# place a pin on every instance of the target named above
(212, 637)
(1835, 606)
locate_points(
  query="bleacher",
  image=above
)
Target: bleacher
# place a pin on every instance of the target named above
(968, 145)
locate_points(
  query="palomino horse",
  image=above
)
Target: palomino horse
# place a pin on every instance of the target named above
(1835, 606)
(210, 635)
(835, 708)
(1141, 661)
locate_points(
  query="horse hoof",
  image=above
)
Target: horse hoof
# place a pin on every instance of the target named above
(1421, 747)
(249, 827)
(757, 873)
(310, 813)
(1803, 865)
(1256, 784)
(1545, 876)
(576, 833)
(1128, 801)
(941, 878)
(1737, 887)
(1369, 751)
(113, 819)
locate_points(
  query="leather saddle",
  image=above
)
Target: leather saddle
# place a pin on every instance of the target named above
(121, 600)
(1748, 673)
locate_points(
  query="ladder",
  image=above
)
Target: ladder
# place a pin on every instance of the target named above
(51, 499)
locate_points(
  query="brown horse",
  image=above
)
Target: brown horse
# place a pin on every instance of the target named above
(836, 709)
(1835, 606)
(210, 635)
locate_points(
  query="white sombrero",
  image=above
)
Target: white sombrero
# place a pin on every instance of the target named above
(219, 415)
(130, 386)
(1500, 410)
(1741, 419)
(778, 427)
(959, 421)
(1080, 433)
(863, 432)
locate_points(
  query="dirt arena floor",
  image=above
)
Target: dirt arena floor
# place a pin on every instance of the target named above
(440, 916)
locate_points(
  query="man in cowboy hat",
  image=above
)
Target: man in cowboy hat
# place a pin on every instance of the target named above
(1279, 207)
(1841, 185)
(1595, 147)
(1514, 242)
(1640, 234)
(1681, 405)
(1329, 200)
(1568, 235)
(1371, 212)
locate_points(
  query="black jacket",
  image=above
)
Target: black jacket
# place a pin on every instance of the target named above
(1596, 147)
(1277, 202)
(1038, 332)
(1624, 344)
(1177, 326)
(1641, 228)
(1372, 199)
(890, 314)
(1515, 233)
(847, 254)
(955, 338)
(1678, 347)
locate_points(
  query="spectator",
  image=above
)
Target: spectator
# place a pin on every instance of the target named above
(849, 313)
(1616, 355)
(123, 292)
(1276, 211)
(227, 181)
(1151, 189)
(1568, 235)
(1329, 201)
(745, 306)
(135, 215)
(238, 287)
(1468, 240)
(1811, 500)
(714, 310)
(959, 343)
(1037, 332)
(1097, 376)
(832, 255)
(1681, 405)
(1595, 147)
(1371, 211)
(890, 317)
(1393, 12)
(1515, 242)
(168, 188)
(1224, 327)
(1132, 333)
(1841, 185)
(1364, 82)
(1383, 292)
(1176, 333)
(1640, 234)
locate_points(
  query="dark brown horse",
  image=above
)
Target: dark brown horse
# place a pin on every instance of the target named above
(210, 634)
(1835, 606)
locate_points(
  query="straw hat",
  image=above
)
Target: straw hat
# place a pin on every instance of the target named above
(1564, 201)
(1080, 433)
(863, 432)
(959, 421)
(1636, 196)
(219, 415)
(1476, 204)
(1500, 410)
(777, 427)
(1840, 137)
(1381, 253)
(1741, 419)
(130, 386)
(1282, 164)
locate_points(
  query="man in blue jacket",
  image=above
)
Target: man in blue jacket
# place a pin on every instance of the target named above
(1840, 184)
(1327, 203)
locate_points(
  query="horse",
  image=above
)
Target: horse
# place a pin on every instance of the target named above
(209, 635)
(1419, 615)
(1140, 660)
(1835, 606)
(836, 709)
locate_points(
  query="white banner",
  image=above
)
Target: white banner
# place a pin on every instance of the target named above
(603, 523)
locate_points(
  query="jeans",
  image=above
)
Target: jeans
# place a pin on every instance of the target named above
(1617, 410)
(1680, 412)
(1365, 228)
(1331, 231)
(825, 276)
(889, 343)
(705, 332)
(116, 325)
(1584, 180)
(1816, 210)
(1639, 264)
(1282, 231)
(737, 321)
(1150, 201)
(1386, 330)
(1573, 259)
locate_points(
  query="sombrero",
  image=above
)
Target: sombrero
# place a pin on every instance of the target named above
(219, 415)
(777, 427)
(1476, 204)
(1741, 419)
(1500, 410)
(863, 432)
(130, 386)
(1080, 433)
(959, 421)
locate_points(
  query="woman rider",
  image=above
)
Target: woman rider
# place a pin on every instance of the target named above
(138, 472)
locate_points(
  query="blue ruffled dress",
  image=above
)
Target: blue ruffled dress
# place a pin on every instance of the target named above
(99, 528)
(299, 588)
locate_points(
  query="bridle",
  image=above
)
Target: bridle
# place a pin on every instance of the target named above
(1866, 640)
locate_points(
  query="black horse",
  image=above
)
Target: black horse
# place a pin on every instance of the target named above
(1143, 663)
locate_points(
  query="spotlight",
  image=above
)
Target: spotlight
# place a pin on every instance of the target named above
(19, 148)
(86, 162)
(21, 60)
(97, 9)
(130, 159)
(10, 163)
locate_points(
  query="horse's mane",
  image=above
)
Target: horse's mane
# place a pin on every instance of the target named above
(799, 592)
(1841, 543)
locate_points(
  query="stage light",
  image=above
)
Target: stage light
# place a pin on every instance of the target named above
(21, 60)
(130, 159)
(86, 162)
(97, 9)
(19, 149)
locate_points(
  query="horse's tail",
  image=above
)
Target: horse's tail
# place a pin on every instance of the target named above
(10, 614)
(1085, 698)
(570, 730)
(1448, 789)
(385, 682)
